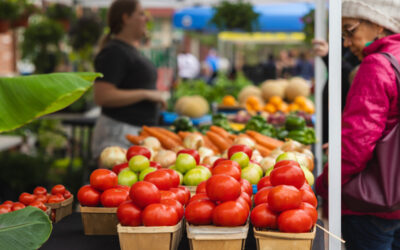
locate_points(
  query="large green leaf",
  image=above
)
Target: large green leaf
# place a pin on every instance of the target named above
(25, 98)
(24, 229)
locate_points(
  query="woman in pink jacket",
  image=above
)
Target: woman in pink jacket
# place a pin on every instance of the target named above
(369, 27)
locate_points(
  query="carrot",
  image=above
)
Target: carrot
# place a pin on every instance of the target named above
(208, 143)
(264, 151)
(165, 141)
(144, 133)
(220, 131)
(183, 134)
(232, 137)
(135, 139)
(170, 134)
(219, 141)
(264, 140)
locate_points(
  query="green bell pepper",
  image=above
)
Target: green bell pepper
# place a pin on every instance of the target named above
(221, 120)
(295, 123)
(183, 123)
(305, 136)
(282, 133)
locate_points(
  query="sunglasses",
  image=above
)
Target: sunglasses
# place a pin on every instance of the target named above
(348, 33)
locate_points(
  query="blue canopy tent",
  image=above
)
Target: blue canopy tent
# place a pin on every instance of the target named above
(278, 17)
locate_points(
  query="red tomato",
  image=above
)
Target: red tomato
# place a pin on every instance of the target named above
(309, 197)
(89, 196)
(180, 195)
(262, 196)
(176, 205)
(103, 179)
(26, 198)
(157, 214)
(167, 195)
(240, 148)
(244, 203)
(264, 182)
(287, 175)
(144, 193)
(113, 197)
(200, 212)
(137, 150)
(17, 206)
(67, 194)
(310, 209)
(58, 189)
(129, 214)
(155, 164)
(201, 196)
(284, 197)
(55, 198)
(246, 187)
(263, 217)
(247, 198)
(187, 193)
(39, 190)
(127, 188)
(39, 205)
(201, 188)
(286, 163)
(216, 162)
(175, 179)
(228, 170)
(4, 208)
(306, 187)
(191, 152)
(230, 214)
(207, 166)
(294, 221)
(227, 162)
(8, 203)
(41, 198)
(118, 168)
(161, 179)
(223, 188)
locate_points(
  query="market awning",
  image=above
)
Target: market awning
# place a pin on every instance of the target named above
(262, 37)
(278, 17)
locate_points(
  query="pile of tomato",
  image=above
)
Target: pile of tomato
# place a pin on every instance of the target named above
(285, 201)
(38, 199)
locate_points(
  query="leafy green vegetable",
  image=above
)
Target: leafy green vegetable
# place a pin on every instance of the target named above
(221, 120)
(24, 229)
(183, 123)
(25, 98)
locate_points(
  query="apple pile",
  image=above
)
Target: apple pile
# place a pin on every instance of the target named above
(284, 200)
(223, 200)
(150, 204)
(38, 199)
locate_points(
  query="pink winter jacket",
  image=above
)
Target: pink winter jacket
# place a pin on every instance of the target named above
(371, 111)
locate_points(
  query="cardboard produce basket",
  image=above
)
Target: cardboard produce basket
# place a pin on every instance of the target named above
(150, 238)
(61, 209)
(213, 237)
(99, 220)
(268, 240)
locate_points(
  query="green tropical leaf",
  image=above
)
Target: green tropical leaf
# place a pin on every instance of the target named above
(25, 98)
(24, 229)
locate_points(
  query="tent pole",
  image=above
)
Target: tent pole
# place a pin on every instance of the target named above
(335, 118)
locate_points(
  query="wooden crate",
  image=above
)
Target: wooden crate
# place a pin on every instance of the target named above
(268, 240)
(99, 220)
(219, 238)
(61, 209)
(150, 238)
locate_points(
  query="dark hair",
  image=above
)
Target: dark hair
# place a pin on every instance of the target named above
(114, 17)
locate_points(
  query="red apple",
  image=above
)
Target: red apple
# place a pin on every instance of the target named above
(137, 150)
(191, 152)
(240, 148)
(154, 164)
(218, 161)
(229, 163)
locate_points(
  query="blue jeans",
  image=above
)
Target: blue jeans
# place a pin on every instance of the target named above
(370, 232)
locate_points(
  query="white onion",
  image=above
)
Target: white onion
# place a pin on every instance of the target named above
(166, 158)
(112, 156)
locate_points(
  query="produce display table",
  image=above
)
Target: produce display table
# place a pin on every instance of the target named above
(68, 234)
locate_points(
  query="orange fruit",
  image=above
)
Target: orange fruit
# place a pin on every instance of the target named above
(293, 107)
(284, 107)
(300, 101)
(253, 101)
(229, 100)
(270, 108)
(309, 107)
(276, 100)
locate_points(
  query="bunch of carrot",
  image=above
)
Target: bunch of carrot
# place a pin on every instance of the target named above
(217, 139)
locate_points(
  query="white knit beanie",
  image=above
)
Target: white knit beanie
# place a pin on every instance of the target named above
(385, 13)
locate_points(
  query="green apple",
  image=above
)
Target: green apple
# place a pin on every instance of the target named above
(206, 169)
(173, 167)
(269, 170)
(242, 158)
(309, 176)
(127, 178)
(251, 174)
(185, 162)
(138, 163)
(194, 176)
(180, 177)
(256, 166)
(145, 172)
(286, 156)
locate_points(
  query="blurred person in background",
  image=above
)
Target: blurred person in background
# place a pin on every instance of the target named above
(304, 68)
(188, 65)
(285, 65)
(127, 91)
